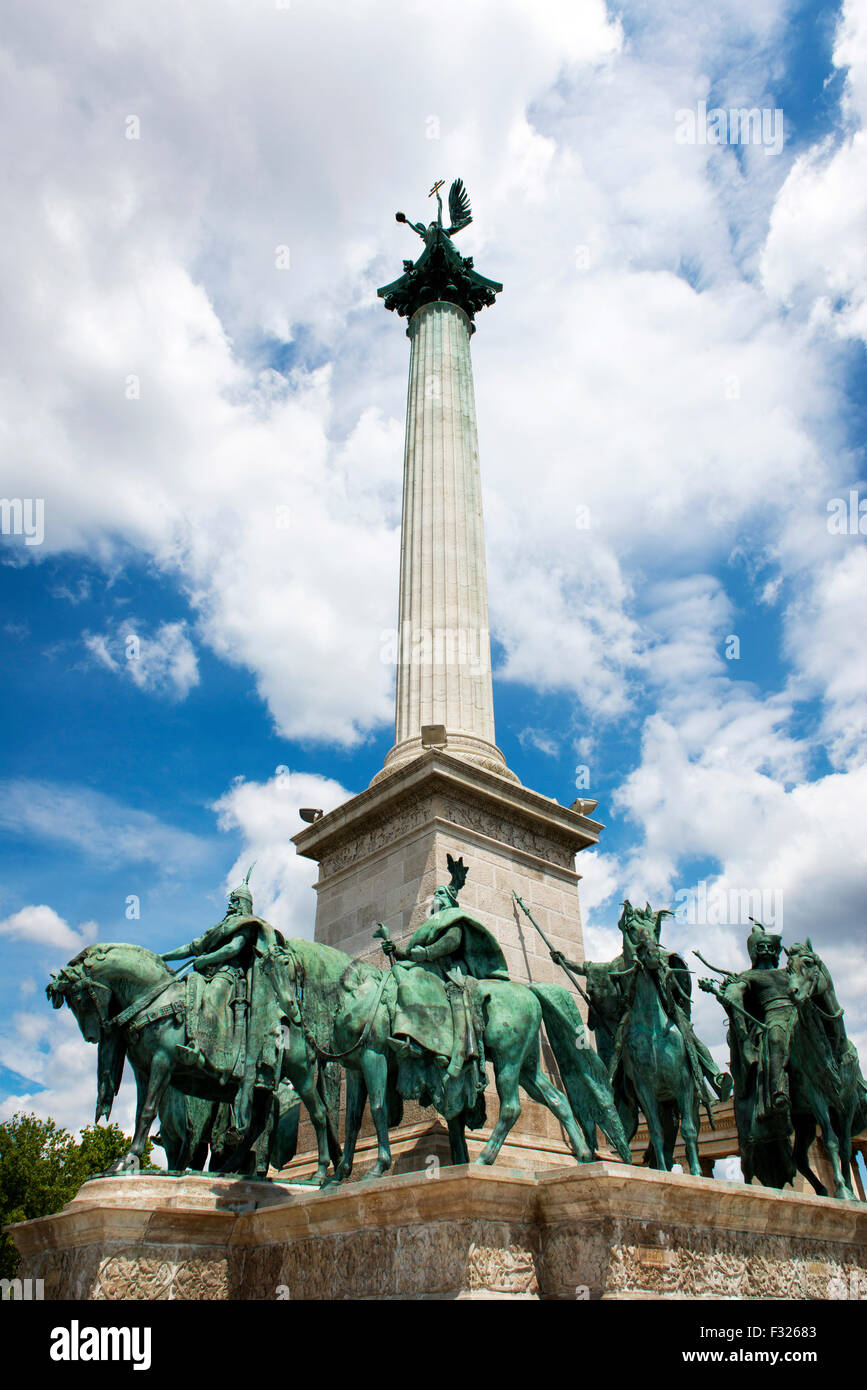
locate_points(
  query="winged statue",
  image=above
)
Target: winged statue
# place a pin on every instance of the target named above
(459, 212)
(441, 272)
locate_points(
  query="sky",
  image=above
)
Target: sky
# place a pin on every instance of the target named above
(202, 416)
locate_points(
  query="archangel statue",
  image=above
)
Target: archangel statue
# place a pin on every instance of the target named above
(441, 272)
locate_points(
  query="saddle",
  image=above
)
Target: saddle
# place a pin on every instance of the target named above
(419, 1009)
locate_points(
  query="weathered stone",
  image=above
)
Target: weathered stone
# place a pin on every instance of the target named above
(603, 1230)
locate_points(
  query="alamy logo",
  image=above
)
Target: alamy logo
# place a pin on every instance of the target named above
(721, 906)
(741, 125)
(76, 1343)
(23, 1290)
(23, 516)
(437, 646)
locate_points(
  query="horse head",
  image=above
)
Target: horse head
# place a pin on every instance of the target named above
(88, 983)
(808, 973)
(640, 928)
(87, 998)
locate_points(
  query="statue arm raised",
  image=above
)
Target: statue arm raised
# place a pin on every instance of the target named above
(559, 959)
(180, 953)
(192, 948)
(416, 226)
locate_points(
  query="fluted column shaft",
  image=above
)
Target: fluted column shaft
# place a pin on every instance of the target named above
(444, 651)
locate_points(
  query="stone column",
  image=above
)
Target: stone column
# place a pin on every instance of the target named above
(443, 649)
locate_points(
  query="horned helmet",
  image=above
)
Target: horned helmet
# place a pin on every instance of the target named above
(446, 895)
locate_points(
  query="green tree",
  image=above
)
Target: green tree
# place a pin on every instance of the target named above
(42, 1167)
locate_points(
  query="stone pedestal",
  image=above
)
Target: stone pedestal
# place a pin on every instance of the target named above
(143, 1236)
(603, 1230)
(382, 854)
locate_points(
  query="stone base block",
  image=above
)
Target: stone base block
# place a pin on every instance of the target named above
(143, 1236)
(602, 1230)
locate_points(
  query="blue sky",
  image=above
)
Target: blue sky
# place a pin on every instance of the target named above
(679, 348)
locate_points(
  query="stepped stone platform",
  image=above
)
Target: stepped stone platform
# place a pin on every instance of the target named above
(601, 1230)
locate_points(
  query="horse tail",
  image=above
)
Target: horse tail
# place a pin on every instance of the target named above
(582, 1071)
(698, 1081)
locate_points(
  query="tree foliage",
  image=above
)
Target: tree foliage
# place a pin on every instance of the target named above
(42, 1167)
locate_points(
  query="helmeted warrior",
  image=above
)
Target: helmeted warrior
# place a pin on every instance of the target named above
(608, 992)
(762, 994)
(460, 950)
(231, 1016)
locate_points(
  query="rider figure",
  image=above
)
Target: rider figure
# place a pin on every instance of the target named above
(459, 950)
(608, 985)
(763, 992)
(228, 956)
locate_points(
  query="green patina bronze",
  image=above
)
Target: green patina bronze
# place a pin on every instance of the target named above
(210, 1052)
(640, 1005)
(441, 272)
(224, 1054)
(459, 950)
(793, 1066)
(424, 1030)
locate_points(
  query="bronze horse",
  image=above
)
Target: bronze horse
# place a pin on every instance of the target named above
(125, 999)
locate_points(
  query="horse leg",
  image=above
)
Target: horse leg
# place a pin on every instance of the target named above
(356, 1096)
(506, 1075)
(157, 1080)
(201, 1142)
(458, 1139)
(805, 1133)
(844, 1139)
(842, 1190)
(628, 1112)
(375, 1068)
(689, 1126)
(669, 1118)
(298, 1067)
(541, 1089)
(647, 1103)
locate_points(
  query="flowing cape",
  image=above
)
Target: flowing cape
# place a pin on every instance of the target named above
(480, 950)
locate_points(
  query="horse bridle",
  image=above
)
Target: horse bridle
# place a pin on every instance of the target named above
(100, 1001)
(810, 999)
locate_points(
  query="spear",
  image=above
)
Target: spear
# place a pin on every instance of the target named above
(562, 963)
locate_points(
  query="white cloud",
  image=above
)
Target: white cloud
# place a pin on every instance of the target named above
(266, 814)
(49, 1051)
(538, 738)
(98, 825)
(273, 501)
(816, 251)
(825, 642)
(656, 383)
(164, 663)
(43, 926)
